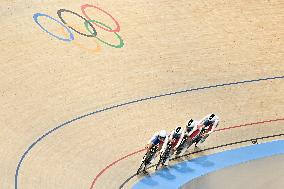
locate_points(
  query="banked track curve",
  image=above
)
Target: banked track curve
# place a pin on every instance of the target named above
(27, 151)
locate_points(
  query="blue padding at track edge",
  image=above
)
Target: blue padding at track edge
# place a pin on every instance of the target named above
(181, 173)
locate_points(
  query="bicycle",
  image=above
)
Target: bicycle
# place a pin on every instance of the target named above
(165, 155)
(147, 159)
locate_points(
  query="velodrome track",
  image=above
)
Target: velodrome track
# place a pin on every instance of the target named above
(75, 112)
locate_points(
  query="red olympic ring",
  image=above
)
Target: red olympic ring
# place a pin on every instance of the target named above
(117, 29)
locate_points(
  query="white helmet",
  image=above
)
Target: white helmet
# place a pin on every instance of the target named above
(212, 117)
(190, 125)
(178, 131)
(210, 120)
(163, 134)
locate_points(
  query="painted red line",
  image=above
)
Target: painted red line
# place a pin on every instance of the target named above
(112, 164)
(250, 124)
(141, 150)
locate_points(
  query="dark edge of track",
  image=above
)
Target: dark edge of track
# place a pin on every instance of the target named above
(253, 140)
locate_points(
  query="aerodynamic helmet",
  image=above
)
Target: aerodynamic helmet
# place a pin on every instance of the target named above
(190, 125)
(177, 132)
(163, 134)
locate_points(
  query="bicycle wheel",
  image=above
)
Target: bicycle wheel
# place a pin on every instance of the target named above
(159, 163)
(142, 166)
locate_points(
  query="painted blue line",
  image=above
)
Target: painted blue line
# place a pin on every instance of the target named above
(128, 103)
(184, 172)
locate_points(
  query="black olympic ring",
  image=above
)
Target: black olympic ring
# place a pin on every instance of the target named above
(59, 12)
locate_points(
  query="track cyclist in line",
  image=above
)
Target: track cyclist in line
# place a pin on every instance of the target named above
(208, 125)
(153, 147)
(157, 139)
(169, 146)
(187, 137)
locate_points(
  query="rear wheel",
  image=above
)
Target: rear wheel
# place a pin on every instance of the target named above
(190, 143)
(181, 147)
(197, 141)
(179, 151)
(159, 163)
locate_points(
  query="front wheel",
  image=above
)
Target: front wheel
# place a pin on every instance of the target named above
(141, 168)
(181, 148)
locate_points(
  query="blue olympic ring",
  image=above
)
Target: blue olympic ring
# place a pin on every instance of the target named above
(71, 36)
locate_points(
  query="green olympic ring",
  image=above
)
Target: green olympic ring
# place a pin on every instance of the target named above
(121, 43)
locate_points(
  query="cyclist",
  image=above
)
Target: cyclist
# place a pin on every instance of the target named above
(208, 125)
(172, 139)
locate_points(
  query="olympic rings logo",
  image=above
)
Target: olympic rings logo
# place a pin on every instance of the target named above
(88, 23)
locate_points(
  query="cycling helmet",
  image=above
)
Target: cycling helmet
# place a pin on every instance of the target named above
(190, 122)
(177, 132)
(211, 117)
(190, 125)
(210, 120)
(163, 134)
